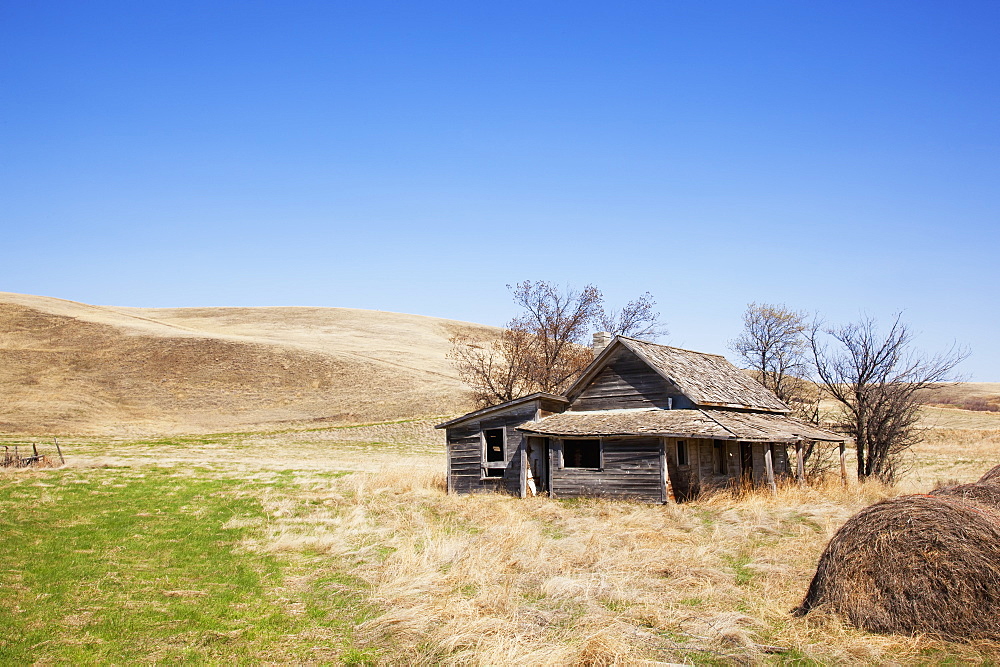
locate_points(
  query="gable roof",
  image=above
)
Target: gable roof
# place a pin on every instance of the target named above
(707, 423)
(503, 406)
(708, 380)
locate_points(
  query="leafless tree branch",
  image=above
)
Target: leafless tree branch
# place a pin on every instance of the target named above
(638, 319)
(544, 347)
(876, 378)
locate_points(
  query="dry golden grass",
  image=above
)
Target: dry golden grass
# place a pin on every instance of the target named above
(491, 579)
(950, 456)
(978, 396)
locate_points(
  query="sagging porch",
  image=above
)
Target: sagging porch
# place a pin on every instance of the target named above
(650, 469)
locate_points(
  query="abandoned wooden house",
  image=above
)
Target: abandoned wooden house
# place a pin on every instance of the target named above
(644, 421)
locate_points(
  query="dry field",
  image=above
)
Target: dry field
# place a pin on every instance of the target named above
(68, 367)
(431, 578)
(978, 396)
(265, 485)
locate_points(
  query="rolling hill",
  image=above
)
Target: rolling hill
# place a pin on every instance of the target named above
(76, 369)
(73, 368)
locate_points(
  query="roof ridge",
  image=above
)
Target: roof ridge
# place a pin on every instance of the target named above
(672, 347)
(591, 412)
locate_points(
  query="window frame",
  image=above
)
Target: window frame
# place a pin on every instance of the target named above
(678, 445)
(503, 447)
(600, 454)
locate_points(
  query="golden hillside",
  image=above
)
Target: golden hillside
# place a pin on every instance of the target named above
(68, 367)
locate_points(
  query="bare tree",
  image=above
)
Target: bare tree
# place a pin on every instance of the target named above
(497, 369)
(543, 348)
(559, 320)
(876, 379)
(773, 346)
(637, 319)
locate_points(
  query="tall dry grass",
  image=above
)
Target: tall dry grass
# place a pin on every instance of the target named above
(491, 579)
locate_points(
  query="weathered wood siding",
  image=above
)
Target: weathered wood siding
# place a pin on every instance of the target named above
(631, 469)
(759, 471)
(779, 460)
(708, 471)
(684, 479)
(628, 382)
(708, 476)
(465, 452)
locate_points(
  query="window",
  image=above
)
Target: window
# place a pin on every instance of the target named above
(581, 453)
(721, 465)
(682, 453)
(494, 472)
(493, 438)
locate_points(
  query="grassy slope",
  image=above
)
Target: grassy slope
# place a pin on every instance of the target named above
(961, 394)
(68, 367)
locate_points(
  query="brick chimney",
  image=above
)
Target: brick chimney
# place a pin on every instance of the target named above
(601, 340)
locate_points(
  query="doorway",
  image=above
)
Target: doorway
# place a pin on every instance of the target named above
(537, 473)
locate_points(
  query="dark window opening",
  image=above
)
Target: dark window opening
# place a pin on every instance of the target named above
(682, 453)
(721, 465)
(494, 445)
(494, 472)
(581, 453)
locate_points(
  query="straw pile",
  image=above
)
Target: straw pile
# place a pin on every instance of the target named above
(922, 564)
(992, 477)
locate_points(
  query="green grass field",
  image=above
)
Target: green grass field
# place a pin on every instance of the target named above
(150, 564)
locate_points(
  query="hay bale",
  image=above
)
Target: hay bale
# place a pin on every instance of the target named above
(984, 494)
(991, 477)
(927, 564)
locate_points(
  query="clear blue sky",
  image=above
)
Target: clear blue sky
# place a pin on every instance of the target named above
(838, 157)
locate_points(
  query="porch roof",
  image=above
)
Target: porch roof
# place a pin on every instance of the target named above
(698, 423)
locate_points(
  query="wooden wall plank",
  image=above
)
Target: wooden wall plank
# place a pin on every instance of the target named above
(628, 382)
(631, 470)
(465, 452)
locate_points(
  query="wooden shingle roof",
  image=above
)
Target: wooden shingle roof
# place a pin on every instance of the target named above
(485, 412)
(699, 423)
(770, 427)
(707, 379)
(648, 421)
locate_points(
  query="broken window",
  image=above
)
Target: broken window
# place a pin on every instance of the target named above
(494, 472)
(682, 453)
(494, 445)
(581, 453)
